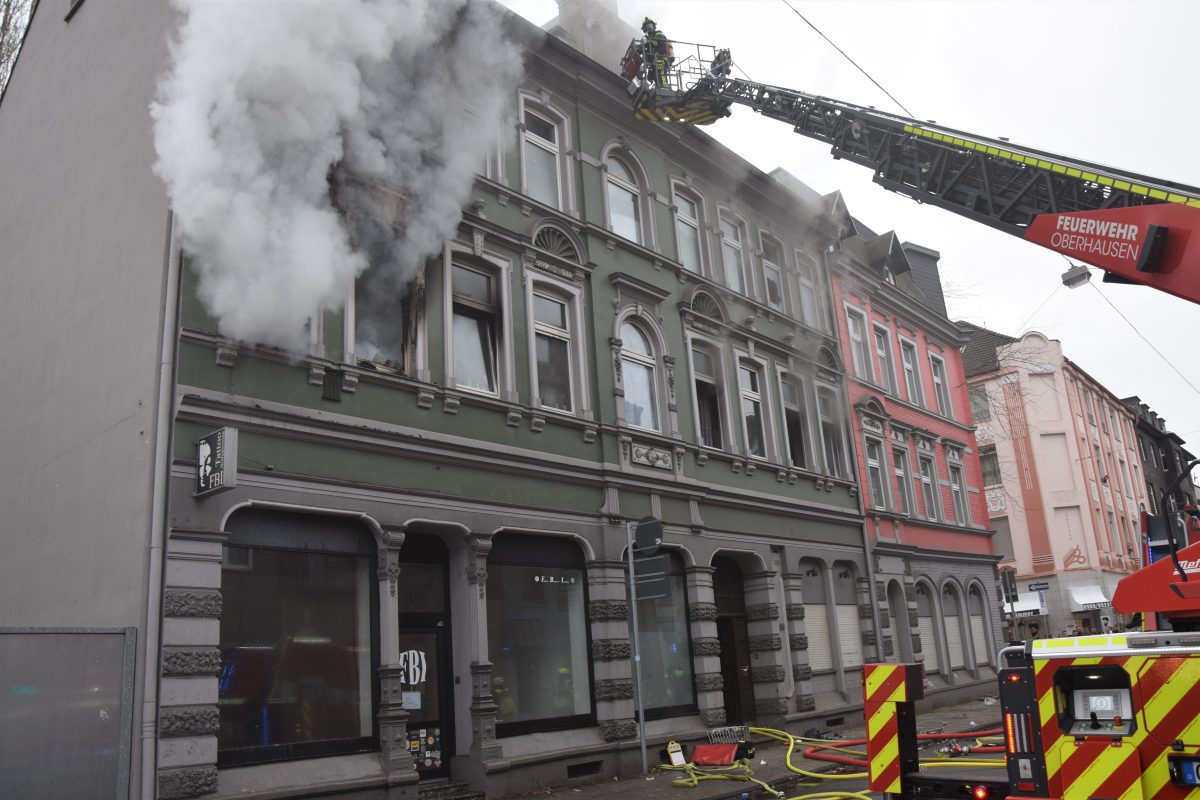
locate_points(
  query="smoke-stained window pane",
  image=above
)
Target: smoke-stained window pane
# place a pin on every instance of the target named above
(639, 395)
(474, 352)
(689, 244)
(541, 174)
(554, 372)
(622, 208)
(732, 258)
(540, 127)
(774, 285)
(472, 285)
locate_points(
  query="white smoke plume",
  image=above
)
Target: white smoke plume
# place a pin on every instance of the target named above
(264, 98)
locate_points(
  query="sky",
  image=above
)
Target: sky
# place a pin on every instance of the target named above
(1106, 82)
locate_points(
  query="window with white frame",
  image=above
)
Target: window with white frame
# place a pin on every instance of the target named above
(941, 385)
(772, 263)
(706, 373)
(806, 281)
(929, 487)
(860, 350)
(958, 490)
(688, 224)
(832, 424)
(624, 199)
(475, 328)
(875, 472)
(912, 373)
(541, 157)
(639, 376)
(883, 354)
(732, 258)
(989, 462)
(553, 339)
(754, 421)
(795, 418)
(904, 489)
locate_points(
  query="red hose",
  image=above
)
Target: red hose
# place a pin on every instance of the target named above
(818, 752)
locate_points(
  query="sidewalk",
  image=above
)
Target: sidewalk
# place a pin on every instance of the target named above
(769, 765)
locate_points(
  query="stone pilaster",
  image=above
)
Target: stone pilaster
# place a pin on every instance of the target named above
(768, 670)
(797, 633)
(706, 650)
(872, 652)
(612, 649)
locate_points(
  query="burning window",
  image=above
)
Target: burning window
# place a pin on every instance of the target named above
(795, 417)
(750, 386)
(474, 328)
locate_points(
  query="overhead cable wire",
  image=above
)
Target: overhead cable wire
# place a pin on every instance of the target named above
(1144, 339)
(848, 58)
(1029, 319)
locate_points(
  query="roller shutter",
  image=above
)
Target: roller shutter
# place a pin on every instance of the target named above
(850, 636)
(954, 642)
(979, 639)
(816, 624)
(928, 652)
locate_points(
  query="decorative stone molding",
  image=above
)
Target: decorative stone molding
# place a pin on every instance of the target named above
(450, 404)
(916, 637)
(912, 619)
(868, 637)
(393, 722)
(885, 619)
(702, 612)
(713, 717)
(910, 592)
(226, 356)
(349, 382)
(806, 702)
(765, 644)
(608, 610)
(864, 610)
(802, 672)
(611, 649)
(880, 590)
(798, 641)
(614, 689)
(772, 673)
(513, 418)
(795, 611)
(589, 435)
(762, 612)
(184, 782)
(205, 603)
(889, 649)
(179, 661)
(537, 423)
(480, 545)
(316, 375)
(652, 457)
(709, 682)
(618, 729)
(705, 646)
(424, 399)
(188, 721)
(483, 711)
(771, 706)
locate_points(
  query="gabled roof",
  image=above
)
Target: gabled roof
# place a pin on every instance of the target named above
(979, 355)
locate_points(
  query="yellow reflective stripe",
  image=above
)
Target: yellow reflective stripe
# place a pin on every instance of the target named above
(878, 675)
(888, 755)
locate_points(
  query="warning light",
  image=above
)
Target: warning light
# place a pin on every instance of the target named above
(1014, 678)
(980, 793)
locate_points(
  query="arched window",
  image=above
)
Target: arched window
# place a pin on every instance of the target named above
(952, 619)
(928, 654)
(979, 637)
(639, 368)
(624, 200)
(816, 617)
(845, 598)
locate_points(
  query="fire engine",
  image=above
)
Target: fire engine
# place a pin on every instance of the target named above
(1104, 717)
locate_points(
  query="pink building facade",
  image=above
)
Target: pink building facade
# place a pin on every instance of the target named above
(1062, 481)
(915, 453)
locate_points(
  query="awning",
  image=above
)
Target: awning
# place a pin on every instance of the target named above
(1029, 604)
(1086, 598)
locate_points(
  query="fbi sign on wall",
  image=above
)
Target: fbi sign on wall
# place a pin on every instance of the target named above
(216, 461)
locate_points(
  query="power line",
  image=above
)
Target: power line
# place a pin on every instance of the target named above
(848, 58)
(1021, 327)
(1144, 339)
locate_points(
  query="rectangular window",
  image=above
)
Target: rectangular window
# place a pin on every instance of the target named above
(665, 648)
(687, 232)
(772, 274)
(883, 354)
(749, 383)
(1098, 464)
(296, 654)
(1087, 401)
(552, 341)
(807, 282)
(860, 352)
(1151, 498)
(708, 397)
(941, 387)
(958, 491)
(1116, 427)
(980, 409)
(1142, 448)
(541, 160)
(929, 488)
(796, 419)
(990, 463)
(912, 373)
(731, 255)
(875, 472)
(830, 420)
(903, 481)
(474, 329)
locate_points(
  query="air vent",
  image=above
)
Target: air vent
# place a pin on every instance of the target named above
(583, 770)
(835, 722)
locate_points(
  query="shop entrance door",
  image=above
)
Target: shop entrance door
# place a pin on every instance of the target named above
(425, 654)
(734, 638)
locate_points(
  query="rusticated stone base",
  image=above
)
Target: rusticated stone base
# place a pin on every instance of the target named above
(771, 706)
(615, 689)
(798, 641)
(611, 649)
(713, 717)
(802, 672)
(618, 729)
(706, 647)
(710, 682)
(176, 784)
(769, 674)
(188, 721)
(806, 702)
(178, 661)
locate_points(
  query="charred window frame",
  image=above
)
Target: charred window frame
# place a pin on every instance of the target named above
(832, 420)
(794, 400)
(476, 324)
(707, 380)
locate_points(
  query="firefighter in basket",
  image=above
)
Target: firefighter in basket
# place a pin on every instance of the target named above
(659, 53)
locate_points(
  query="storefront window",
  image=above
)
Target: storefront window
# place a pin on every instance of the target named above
(296, 641)
(537, 635)
(666, 649)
